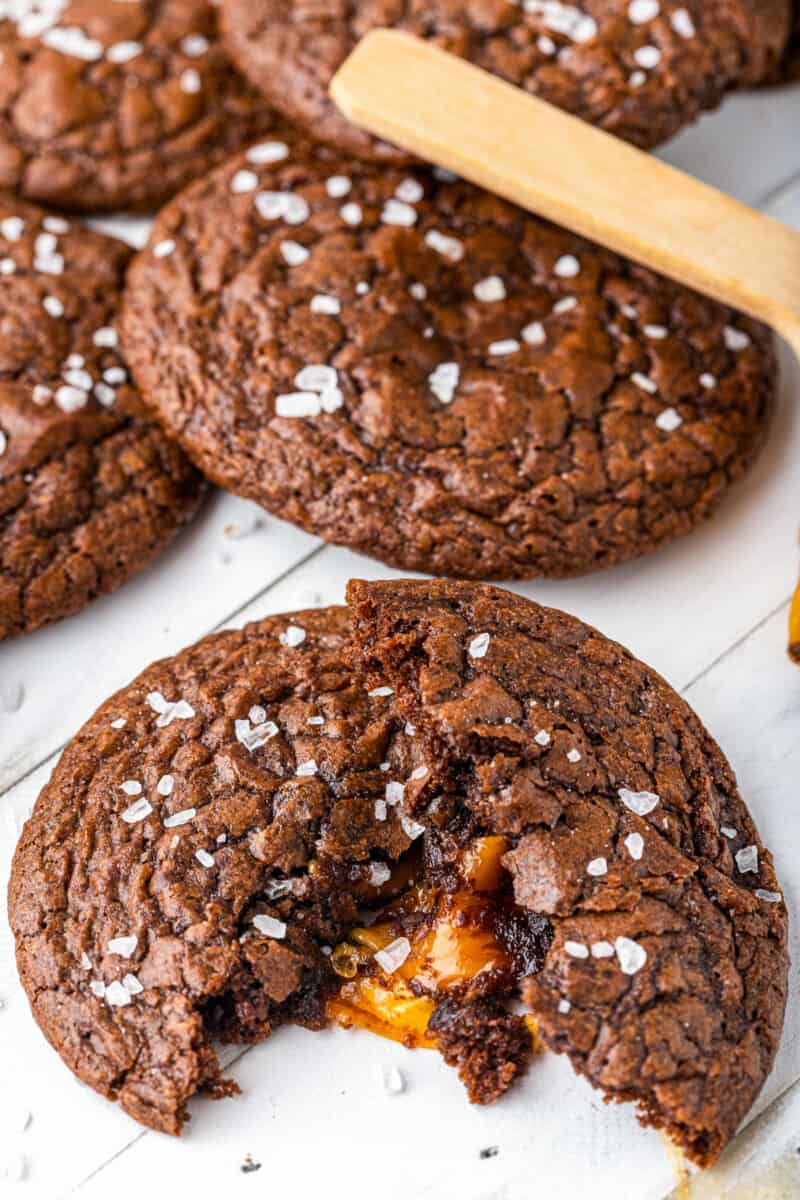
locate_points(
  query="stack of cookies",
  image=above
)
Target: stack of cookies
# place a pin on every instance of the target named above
(288, 823)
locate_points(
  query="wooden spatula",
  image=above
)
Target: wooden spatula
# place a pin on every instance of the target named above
(456, 115)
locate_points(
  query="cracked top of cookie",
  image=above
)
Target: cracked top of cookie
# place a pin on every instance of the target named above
(90, 488)
(410, 366)
(208, 832)
(641, 69)
(107, 105)
(666, 979)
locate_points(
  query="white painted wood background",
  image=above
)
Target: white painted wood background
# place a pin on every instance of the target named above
(709, 613)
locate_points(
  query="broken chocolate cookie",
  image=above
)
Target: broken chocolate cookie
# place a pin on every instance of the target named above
(403, 820)
(666, 978)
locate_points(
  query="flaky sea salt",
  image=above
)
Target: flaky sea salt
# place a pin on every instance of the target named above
(567, 267)
(735, 339)
(634, 844)
(479, 646)
(747, 859)
(602, 950)
(668, 420)
(630, 954)
(293, 636)
(252, 737)
(117, 995)
(137, 811)
(169, 710)
(443, 381)
(394, 955)
(269, 926)
(640, 803)
(395, 792)
(180, 818)
(411, 828)
(123, 946)
(489, 290)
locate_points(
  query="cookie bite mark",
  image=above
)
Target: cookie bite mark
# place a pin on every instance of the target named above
(90, 489)
(640, 70)
(440, 964)
(403, 364)
(665, 981)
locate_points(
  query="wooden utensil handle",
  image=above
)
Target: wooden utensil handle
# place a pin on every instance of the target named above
(459, 116)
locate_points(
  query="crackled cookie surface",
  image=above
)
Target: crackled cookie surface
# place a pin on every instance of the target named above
(90, 488)
(116, 103)
(666, 979)
(641, 69)
(414, 368)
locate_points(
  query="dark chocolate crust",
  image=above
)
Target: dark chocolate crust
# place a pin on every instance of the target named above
(640, 70)
(118, 105)
(91, 490)
(497, 398)
(666, 979)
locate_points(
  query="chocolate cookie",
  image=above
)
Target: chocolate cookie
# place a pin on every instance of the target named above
(641, 69)
(521, 804)
(90, 489)
(416, 369)
(201, 845)
(117, 105)
(666, 978)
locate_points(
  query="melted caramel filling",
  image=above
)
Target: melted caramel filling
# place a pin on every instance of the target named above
(452, 945)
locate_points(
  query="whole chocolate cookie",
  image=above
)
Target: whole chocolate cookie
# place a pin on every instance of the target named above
(107, 105)
(202, 843)
(641, 69)
(90, 488)
(666, 978)
(417, 369)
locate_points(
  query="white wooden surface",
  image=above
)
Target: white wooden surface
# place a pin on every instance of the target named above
(709, 613)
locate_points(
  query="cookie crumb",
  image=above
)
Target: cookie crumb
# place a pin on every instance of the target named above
(394, 1081)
